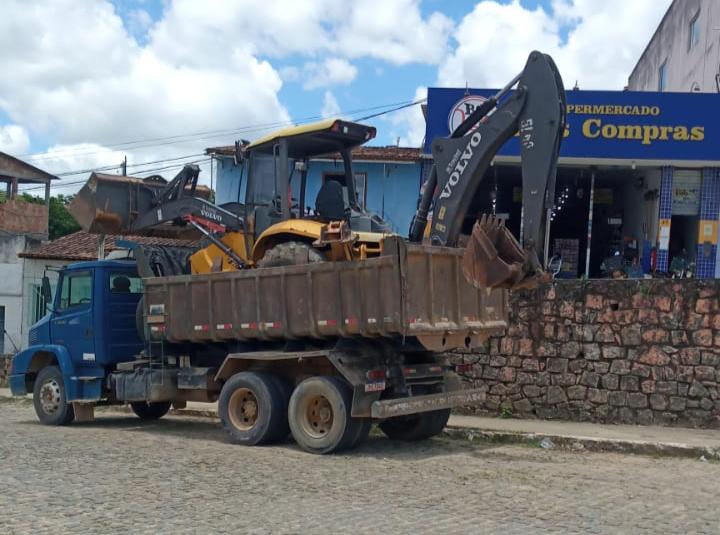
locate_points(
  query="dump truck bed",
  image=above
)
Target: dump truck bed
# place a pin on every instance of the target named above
(411, 290)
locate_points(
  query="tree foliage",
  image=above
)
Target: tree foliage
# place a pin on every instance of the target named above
(61, 223)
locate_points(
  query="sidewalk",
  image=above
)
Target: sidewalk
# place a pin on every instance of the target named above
(652, 440)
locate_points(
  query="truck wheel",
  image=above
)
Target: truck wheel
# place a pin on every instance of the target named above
(291, 253)
(319, 415)
(416, 426)
(363, 430)
(149, 410)
(253, 408)
(49, 398)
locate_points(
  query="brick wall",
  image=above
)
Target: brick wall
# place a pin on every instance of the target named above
(5, 361)
(620, 351)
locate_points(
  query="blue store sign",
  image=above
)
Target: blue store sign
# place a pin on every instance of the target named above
(607, 125)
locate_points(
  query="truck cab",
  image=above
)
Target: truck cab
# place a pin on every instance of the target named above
(89, 328)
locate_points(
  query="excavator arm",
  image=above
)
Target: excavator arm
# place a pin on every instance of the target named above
(535, 111)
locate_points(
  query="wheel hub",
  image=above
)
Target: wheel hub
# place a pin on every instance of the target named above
(318, 416)
(50, 396)
(243, 409)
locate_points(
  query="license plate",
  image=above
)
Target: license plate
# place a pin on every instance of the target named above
(377, 386)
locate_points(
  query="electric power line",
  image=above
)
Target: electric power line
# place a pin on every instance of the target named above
(397, 107)
(144, 171)
(209, 134)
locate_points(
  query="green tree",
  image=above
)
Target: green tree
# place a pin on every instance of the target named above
(61, 223)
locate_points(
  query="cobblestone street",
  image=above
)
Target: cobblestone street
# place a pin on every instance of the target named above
(180, 475)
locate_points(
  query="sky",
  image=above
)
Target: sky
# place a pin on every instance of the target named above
(86, 84)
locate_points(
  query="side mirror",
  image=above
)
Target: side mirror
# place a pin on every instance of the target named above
(46, 291)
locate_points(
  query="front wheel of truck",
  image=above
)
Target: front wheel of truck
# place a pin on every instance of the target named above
(150, 411)
(50, 399)
(253, 408)
(416, 426)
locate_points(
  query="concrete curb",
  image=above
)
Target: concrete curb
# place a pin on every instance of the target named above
(580, 443)
(566, 442)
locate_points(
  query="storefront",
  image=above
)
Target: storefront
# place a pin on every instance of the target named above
(638, 179)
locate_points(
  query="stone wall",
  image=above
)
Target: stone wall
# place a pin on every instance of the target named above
(5, 361)
(618, 351)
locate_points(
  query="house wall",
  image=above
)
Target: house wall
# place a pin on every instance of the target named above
(686, 68)
(392, 187)
(11, 290)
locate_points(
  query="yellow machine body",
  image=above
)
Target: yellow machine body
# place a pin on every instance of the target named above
(211, 259)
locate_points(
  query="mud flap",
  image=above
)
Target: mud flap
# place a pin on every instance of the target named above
(494, 259)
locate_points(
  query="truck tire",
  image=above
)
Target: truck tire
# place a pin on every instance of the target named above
(416, 426)
(363, 430)
(149, 410)
(319, 415)
(290, 253)
(49, 398)
(285, 388)
(253, 408)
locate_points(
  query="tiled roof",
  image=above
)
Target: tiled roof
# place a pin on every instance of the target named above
(362, 153)
(84, 246)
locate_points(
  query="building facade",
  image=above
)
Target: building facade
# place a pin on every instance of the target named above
(637, 178)
(23, 226)
(388, 180)
(684, 53)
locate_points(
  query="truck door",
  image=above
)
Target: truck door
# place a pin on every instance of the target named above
(72, 323)
(120, 336)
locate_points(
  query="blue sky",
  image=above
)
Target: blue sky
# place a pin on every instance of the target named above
(74, 94)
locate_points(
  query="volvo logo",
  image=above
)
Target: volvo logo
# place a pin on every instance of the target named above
(461, 165)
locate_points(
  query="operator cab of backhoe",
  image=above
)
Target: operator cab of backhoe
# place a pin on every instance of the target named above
(274, 178)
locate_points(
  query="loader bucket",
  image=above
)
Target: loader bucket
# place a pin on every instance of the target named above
(107, 204)
(494, 259)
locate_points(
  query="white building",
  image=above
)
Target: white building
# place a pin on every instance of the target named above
(684, 52)
(23, 225)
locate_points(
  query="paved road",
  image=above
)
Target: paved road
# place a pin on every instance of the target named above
(180, 475)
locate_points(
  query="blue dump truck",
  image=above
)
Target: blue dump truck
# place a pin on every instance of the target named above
(319, 351)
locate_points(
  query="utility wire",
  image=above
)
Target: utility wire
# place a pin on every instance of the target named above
(397, 107)
(208, 134)
(144, 171)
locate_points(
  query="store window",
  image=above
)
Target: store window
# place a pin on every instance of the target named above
(694, 32)
(662, 77)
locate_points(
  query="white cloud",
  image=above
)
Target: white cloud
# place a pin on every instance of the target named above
(601, 50)
(332, 71)
(88, 80)
(394, 31)
(409, 124)
(14, 140)
(330, 107)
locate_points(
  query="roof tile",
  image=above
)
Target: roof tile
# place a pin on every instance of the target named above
(84, 246)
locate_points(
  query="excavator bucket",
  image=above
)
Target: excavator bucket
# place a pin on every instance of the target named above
(112, 204)
(494, 259)
(106, 203)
